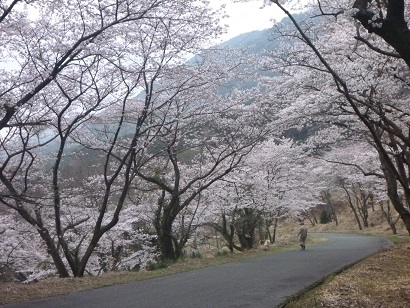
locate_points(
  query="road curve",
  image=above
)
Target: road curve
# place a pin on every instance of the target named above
(257, 282)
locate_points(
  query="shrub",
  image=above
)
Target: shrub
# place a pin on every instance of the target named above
(196, 254)
(324, 217)
(221, 253)
(158, 265)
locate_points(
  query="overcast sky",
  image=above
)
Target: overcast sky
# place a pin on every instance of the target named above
(246, 17)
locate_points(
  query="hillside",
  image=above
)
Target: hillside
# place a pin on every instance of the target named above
(255, 41)
(260, 40)
(347, 223)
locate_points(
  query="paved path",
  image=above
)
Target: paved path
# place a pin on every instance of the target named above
(258, 282)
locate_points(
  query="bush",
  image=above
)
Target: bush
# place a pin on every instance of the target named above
(324, 217)
(196, 254)
(221, 253)
(158, 265)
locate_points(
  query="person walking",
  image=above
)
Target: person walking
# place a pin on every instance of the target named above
(302, 236)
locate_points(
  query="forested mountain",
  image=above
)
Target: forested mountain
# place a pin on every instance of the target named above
(255, 41)
(259, 41)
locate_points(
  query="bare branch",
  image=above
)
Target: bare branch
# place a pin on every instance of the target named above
(378, 50)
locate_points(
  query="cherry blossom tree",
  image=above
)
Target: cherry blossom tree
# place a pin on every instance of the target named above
(358, 199)
(354, 169)
(233, 214)
(388, 20)
(328, 212)
(124, 247)
(78, 98)
(223, 200)
(271, 185)
(41, 40)
(202, 137)
(352, 80)
(279, 182)
(20, 248)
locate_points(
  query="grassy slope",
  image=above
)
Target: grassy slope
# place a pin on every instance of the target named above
(381, 280)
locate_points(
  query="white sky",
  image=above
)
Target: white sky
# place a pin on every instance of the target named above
(249, 16)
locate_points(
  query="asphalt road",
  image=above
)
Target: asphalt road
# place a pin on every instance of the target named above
(258, 282)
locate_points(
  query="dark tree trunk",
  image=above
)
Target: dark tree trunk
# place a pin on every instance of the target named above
(166, 243)
(363, 207)
(356, 217)
(351, 205)
(272, 239)
(163, 227)
(227, 232)
(53, 252)
(393, 28)
(245, 227)
(389, 217)
(246, 241)
(52, 249)
(334, 215)
(392, 192)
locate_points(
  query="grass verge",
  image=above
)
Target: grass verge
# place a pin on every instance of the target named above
(381, 280)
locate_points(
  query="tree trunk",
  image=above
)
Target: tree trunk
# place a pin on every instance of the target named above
(230, 237)
(333, 213)
(351, 205)
(363, 209)
(165, 243)
(227, 233)
(246, 241)
(356, 217)
(163, 227)
(275, 225)
(53, 252)
(393, 28)
(388, 215)
(399, 207)
(392, 192)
